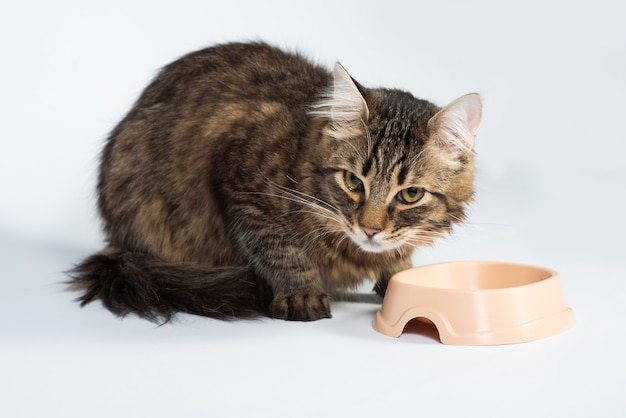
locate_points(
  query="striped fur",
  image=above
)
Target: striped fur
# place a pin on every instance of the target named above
(249, 181)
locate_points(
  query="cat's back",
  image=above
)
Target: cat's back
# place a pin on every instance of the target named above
(238, 71)
(206, 118)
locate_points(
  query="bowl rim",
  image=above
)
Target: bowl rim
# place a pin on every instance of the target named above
(548, 273)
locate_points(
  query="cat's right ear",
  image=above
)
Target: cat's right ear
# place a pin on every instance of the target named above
(347, 101)
(342, 103)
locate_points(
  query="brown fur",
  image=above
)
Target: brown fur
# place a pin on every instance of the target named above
(223, 193)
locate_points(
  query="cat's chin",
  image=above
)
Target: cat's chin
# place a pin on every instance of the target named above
(373, 246)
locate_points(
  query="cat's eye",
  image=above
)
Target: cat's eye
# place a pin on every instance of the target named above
(410, 195)
(353, 183)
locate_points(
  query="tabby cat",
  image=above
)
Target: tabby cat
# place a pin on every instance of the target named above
(247, 181)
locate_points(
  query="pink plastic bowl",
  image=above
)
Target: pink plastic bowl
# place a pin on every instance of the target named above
(477, 302)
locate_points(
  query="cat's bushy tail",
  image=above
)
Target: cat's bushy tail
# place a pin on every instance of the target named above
(129, 282)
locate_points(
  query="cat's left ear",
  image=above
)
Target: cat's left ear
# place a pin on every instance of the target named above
(456, 125)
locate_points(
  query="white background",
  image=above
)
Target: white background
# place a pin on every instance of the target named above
(551, 178)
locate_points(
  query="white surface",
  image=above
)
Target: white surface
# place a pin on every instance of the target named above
(550, 192)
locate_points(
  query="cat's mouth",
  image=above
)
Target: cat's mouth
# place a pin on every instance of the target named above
(375, 244)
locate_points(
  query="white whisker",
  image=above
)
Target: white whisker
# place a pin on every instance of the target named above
(309, 204)
(345, 236)
(318, 209)
(297, 192)
(420, 237)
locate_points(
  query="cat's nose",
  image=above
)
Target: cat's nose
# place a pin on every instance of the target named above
(370, 232)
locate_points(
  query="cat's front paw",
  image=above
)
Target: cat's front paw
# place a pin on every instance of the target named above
(306, 305)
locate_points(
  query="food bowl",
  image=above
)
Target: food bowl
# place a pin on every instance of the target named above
(477, 302)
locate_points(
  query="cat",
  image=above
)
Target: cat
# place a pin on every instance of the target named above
(247, 181)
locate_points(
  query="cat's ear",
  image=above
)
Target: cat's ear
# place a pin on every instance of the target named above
(343, 106)
(342, 103)
(455, 126)
(347, 101)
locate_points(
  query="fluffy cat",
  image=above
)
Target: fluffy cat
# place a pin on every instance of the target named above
(248, 181)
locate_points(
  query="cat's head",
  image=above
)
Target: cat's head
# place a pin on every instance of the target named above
(399, 169)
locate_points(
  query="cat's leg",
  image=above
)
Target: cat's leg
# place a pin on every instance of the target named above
(381, 285)
(297, 290)
(383, 281)
(303, 305)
